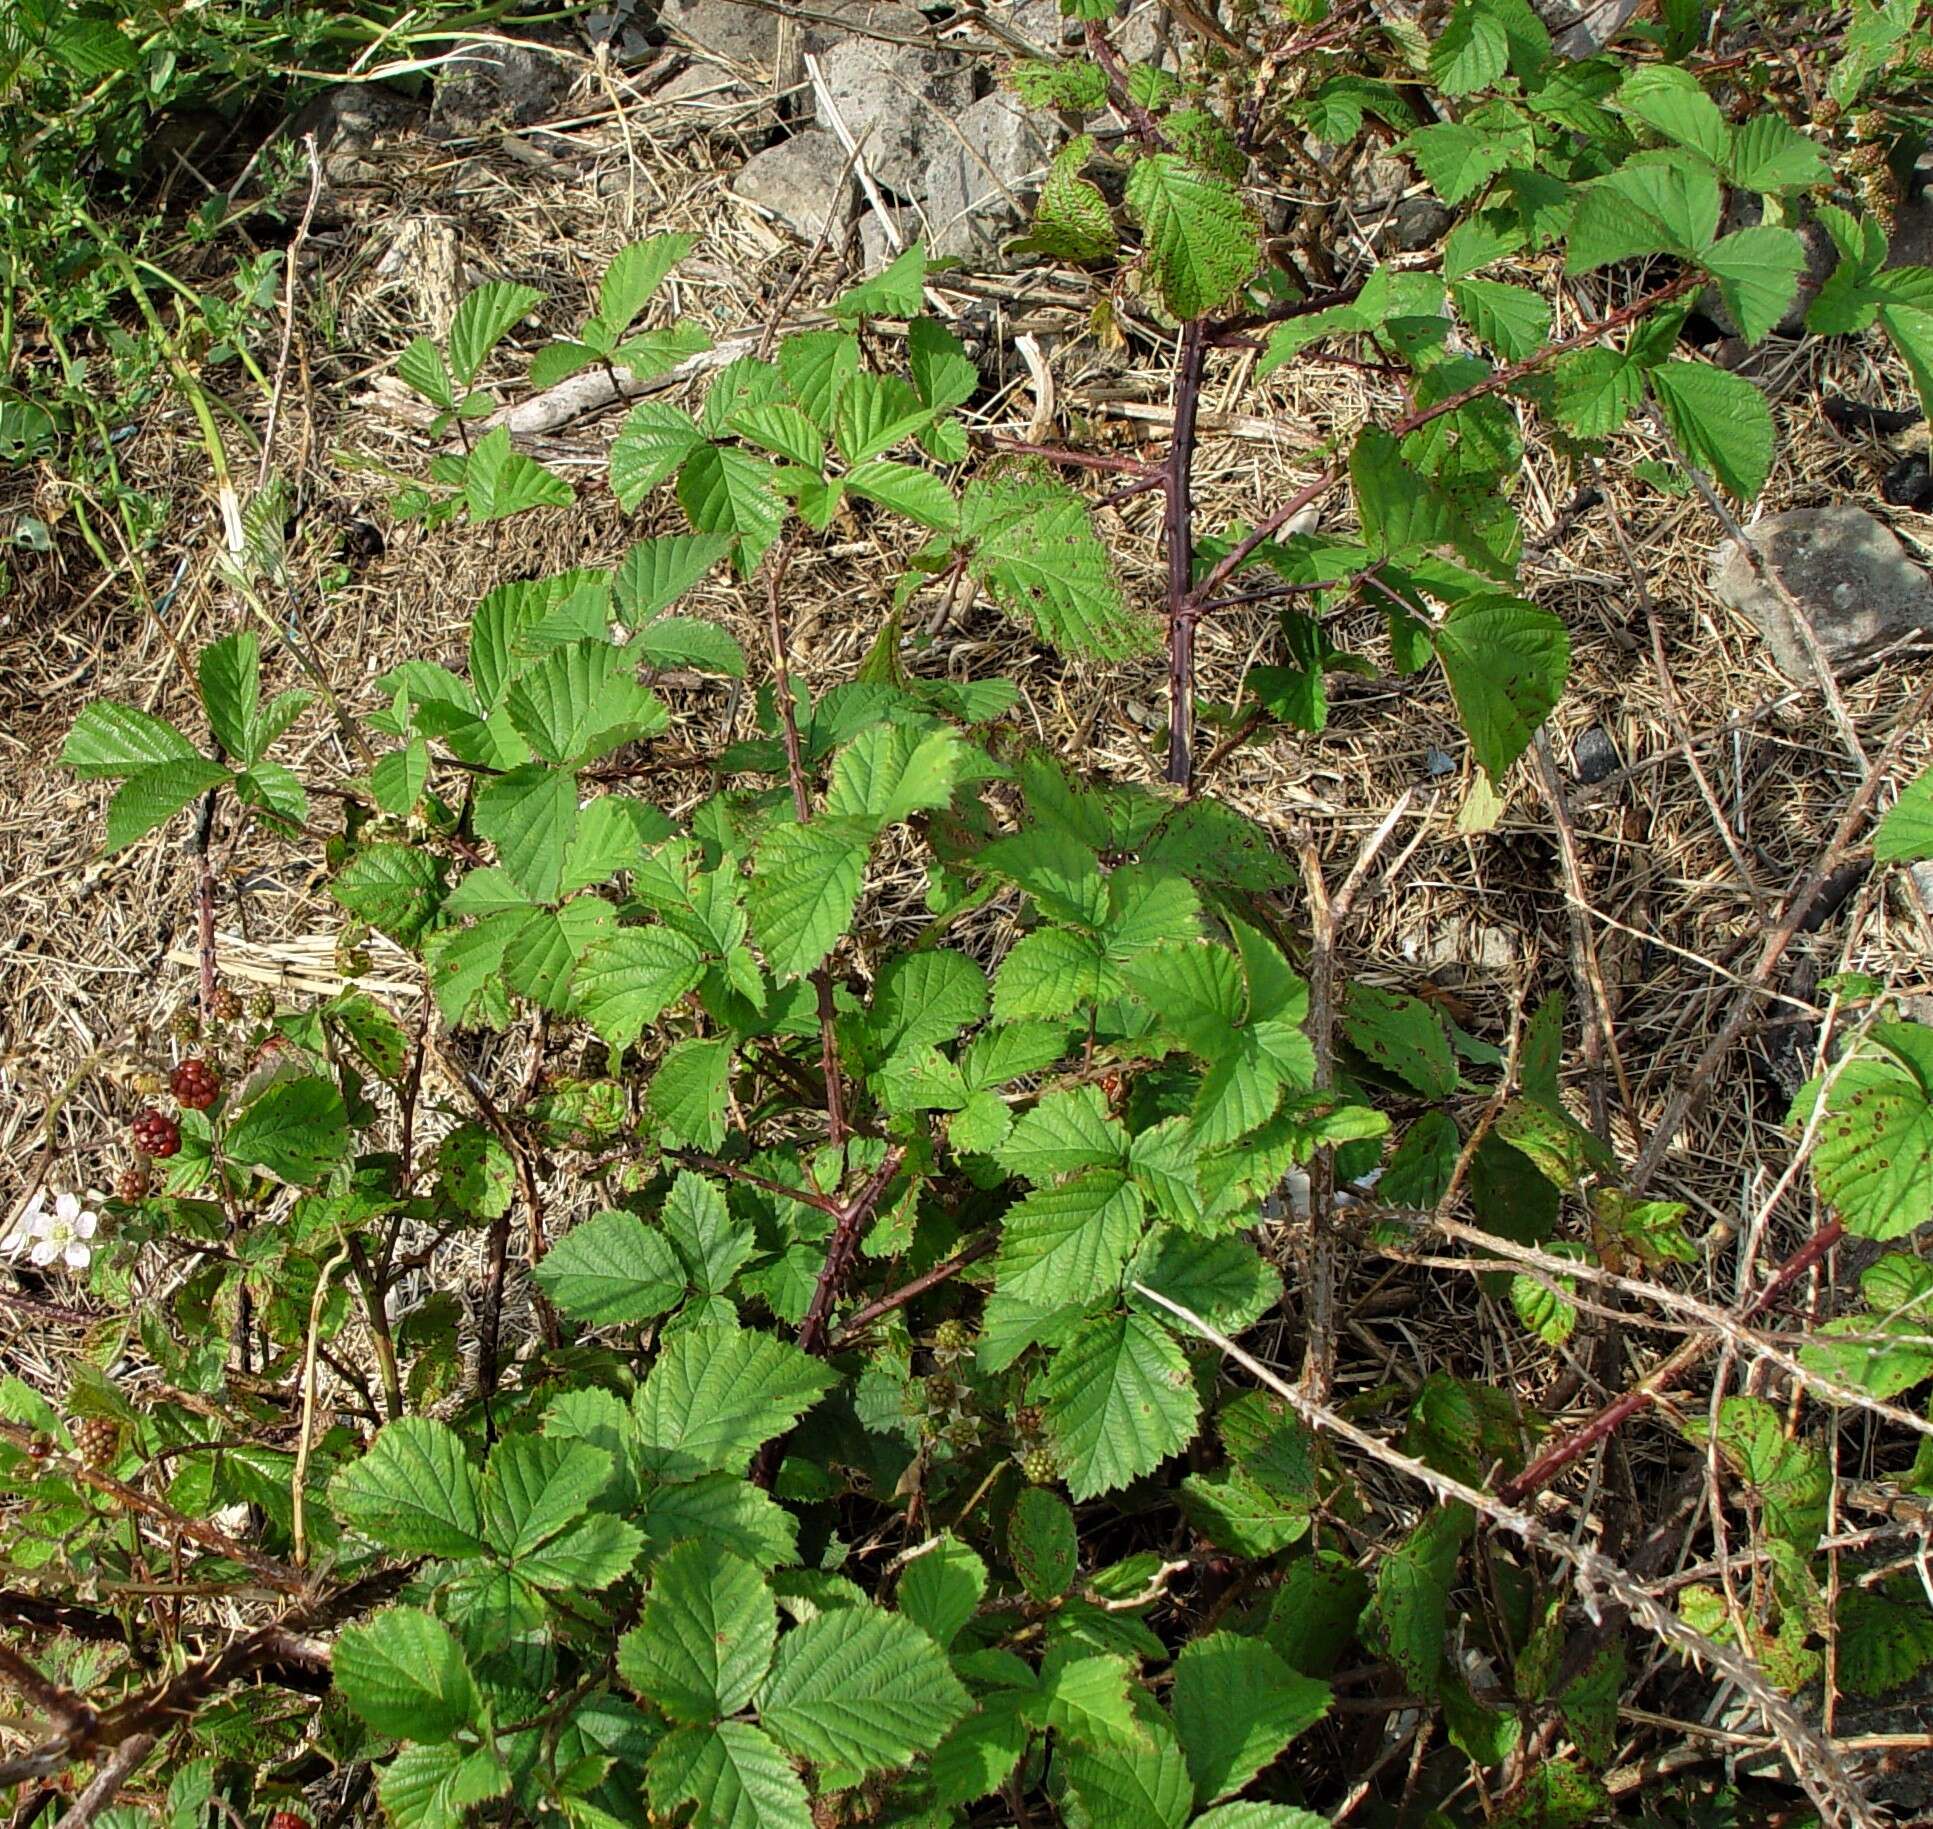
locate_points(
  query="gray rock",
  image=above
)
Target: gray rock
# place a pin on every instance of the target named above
(876, 249)
(499, 85)
(801, 183)
(890, 18)
(723, 28)
(1853, 579)
(1594, 756)
(974, 187)
(1420, 222)
(351, 126)
(892, 99)
(1579, 28)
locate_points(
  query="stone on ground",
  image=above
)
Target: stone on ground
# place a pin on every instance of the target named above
(801, 183)
(1848, 572)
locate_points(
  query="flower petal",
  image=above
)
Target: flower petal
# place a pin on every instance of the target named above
(68, 1207)
(85, 1225)
(77, 1255)
(44, 1251)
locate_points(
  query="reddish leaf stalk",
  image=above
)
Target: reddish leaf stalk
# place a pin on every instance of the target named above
(895, 1299)
(848, 1227)
(1615, 1414)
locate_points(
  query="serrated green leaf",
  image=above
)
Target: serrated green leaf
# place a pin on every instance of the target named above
(481, 319)
(861, 1690)
(721, 1509)
(715, 1394)
(1506, 662)
(1034, 547)
(1771, 155)
(1236, 1706)
(1757, 270)
(421, 368)
(530, 815)
(917, 494)
(155, 795)
(1471, 52)
(655, 439)
(630, 978)
(1199, 234)
(940, 1589)
(404, 1673)
(229, 673)
(297, 1130)
(783, 430)
(1410, 1607)
(1041, 1543)
(1513, 320)
(686, 1099)
(110, 740)
(1667, 97)
(1133, 1787)
(1052, 972)
(499, 480)
(1119, 1399)
(612, 1268)
(1722, 421)
(1874, 1157)
(734, 1775)
(896, 291)
(805, 884)
(580, 702)
(655, 573)
(1404, 1036)
(815, 366)
(1088, 1701)
(396, 888)
(635, 274)
(415, 1490)
(1905, 834)
(704, 1640)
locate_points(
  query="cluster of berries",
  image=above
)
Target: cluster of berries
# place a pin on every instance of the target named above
(154, 1133)
(194, 1083)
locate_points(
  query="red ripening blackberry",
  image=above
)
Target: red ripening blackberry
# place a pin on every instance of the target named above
(195, 1084)
(156, 1134)
(226, 1004)
(287, 1819)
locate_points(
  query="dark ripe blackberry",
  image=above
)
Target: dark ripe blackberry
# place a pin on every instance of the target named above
(132, 1183)
(195, 1084)
(156, 1134)
(226, 1005)
(97, 1439)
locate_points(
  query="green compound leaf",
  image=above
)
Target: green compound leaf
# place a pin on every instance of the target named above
(1032, 544)
(1119, 1399)
(1874, 1157)
(414, 1490)
(612, 1268)
(1506, 662)
(733, 1773)
(1236, 1706)
(1722, 421)
(1199, 234)
(715, 1394)
(860, 1689)
(704, 1641)
(406, 1675)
